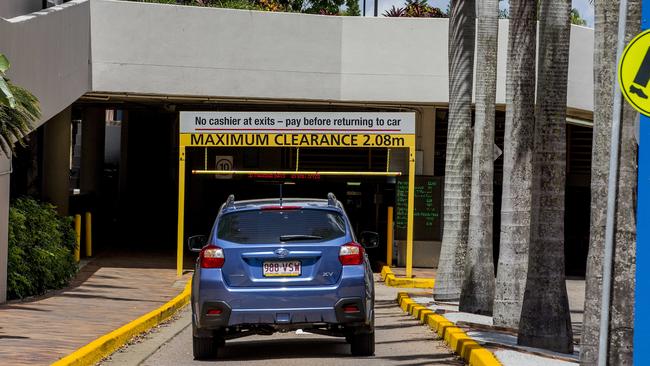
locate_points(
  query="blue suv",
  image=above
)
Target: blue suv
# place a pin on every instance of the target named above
(277, 265)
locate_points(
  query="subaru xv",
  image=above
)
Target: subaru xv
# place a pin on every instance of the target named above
(279, 265)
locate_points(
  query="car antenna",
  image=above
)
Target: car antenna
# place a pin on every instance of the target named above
(280, 194)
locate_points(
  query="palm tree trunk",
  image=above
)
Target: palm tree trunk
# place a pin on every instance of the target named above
(477, 295)
(517, 164)
(545, 318)
(622, 308)
(458, 167)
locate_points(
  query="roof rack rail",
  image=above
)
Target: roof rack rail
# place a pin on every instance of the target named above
(230, 202)
(331, 199)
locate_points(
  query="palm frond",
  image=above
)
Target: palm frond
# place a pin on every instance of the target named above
(17, 122)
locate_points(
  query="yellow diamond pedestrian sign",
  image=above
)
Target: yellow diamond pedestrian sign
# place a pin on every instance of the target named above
(634, 73)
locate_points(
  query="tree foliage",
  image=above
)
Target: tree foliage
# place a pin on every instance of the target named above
(352, 8)
(41, 244)
(19, 109)
(415, 9)
(576, 18)
(324, 7)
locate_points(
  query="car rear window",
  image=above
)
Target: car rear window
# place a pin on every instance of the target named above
(272, 227)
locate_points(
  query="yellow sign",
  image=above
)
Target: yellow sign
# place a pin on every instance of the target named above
(634, 73)
(295, 140)
(207, 129)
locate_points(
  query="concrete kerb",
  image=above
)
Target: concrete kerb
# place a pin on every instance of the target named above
(467, 348)
(389, 278)
(105, 345)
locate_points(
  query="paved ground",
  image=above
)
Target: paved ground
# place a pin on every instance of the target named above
(107, 293)
(400, 341)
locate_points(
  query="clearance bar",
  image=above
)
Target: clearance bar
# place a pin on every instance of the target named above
(296, 172)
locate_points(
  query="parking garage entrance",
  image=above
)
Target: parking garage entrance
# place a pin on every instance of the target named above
(216, 149)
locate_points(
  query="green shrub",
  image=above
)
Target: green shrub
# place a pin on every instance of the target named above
(41, 246)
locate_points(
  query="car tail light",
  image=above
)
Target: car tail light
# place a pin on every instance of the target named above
(350, 309)
(212, 257)
(214, 312)
(351, 254)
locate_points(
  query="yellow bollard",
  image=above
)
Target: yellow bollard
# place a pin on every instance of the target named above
(77, 237)
(89, 235)
(389, 237)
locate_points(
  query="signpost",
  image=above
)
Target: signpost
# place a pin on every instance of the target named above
(389, 130)
(642, 292)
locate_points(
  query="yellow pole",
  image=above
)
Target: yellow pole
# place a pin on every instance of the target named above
(388, 160)
(297, 158)
(77, 237)
(389, 237)
(410, 209)
(181, 210)
(89, 235)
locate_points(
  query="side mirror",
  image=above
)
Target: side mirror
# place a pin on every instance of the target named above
(196, 243)
(369, 239)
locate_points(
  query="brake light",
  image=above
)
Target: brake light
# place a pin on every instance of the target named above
(212, 257)
(214, 312)
(350, 309)
(351, 254)
(279, 208)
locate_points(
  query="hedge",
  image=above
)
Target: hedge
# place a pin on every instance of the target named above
(41, 246)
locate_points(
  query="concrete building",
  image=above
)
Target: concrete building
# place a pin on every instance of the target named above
(112, 76)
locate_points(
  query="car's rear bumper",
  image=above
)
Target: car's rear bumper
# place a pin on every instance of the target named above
(283, 306)
(278, 317)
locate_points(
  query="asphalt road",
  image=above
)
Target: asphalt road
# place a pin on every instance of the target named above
(400, 340)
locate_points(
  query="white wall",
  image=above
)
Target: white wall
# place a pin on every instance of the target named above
(183, 50)
(218, 52)
(49, 53)
(581, 69)
(14, 8)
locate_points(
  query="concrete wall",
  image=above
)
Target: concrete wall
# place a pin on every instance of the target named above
(49, 53)
(217, 52)
(14, 8)
(194, 51)
(581, 65)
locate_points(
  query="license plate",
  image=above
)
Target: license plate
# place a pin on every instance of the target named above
(281, 269)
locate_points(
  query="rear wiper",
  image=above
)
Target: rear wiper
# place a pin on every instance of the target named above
(299, 237)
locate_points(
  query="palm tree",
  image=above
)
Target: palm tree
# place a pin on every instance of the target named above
(477, 295)
(622, 307)
(517, 164)
(19, 109)
(545, 318)
(458, 167)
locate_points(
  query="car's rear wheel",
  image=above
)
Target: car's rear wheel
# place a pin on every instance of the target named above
(363, 344)
(205, 348)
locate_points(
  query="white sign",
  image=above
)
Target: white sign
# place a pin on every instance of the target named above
(400, 123)
(223, 163)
